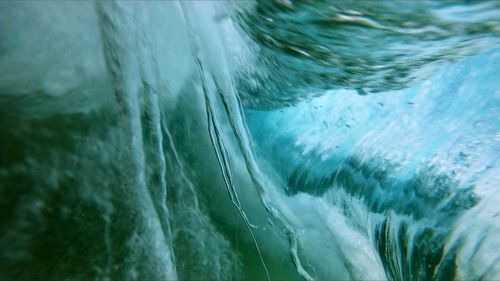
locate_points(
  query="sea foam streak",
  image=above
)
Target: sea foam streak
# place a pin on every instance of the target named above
(286, 140)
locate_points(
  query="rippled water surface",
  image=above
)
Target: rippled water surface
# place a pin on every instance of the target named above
(254, 140)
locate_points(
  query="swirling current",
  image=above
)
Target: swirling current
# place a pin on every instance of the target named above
(250, 140)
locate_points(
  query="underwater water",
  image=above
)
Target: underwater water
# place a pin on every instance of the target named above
(252, 140)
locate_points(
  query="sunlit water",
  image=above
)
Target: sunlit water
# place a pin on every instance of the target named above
(281, 140)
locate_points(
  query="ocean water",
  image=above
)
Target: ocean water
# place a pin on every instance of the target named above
(253, 140)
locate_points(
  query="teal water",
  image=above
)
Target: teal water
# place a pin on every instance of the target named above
(259, 140)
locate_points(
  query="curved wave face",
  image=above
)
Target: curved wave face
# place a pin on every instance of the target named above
(257, 140)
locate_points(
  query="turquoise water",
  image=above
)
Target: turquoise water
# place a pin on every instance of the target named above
(258, 140)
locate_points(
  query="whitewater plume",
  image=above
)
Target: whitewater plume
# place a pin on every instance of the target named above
(258, 140)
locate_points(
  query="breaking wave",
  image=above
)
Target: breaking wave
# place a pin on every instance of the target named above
(259, 140)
